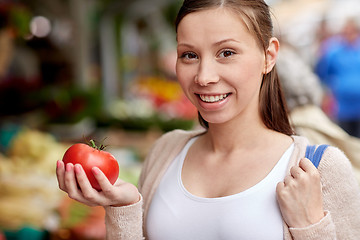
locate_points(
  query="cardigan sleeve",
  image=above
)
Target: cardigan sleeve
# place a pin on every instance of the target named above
(324, 230)
(341, 196)
(124, 223)
(341, 193)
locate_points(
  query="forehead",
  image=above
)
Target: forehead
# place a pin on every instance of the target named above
(213, 22)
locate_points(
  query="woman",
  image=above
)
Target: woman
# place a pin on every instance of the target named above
(245, 175)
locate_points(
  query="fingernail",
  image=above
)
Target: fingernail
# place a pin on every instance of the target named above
(95, 170)
(77, 168)
(58, 163)
(68, 167)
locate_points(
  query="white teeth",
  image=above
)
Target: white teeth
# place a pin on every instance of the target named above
(211, 99)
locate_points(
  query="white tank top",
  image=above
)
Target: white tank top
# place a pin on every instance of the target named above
(253, 214)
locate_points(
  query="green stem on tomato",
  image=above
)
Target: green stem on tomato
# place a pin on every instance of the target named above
(92, 142)
(93, 145)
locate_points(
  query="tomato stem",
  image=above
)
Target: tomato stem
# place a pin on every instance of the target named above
(92, 142)
(93, 145)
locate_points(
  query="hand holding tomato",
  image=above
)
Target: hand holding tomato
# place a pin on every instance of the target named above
(93, 156)
(72, 178)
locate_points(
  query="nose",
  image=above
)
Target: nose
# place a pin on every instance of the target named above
(207, 73)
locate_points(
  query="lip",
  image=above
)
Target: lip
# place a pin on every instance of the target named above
(215, 102)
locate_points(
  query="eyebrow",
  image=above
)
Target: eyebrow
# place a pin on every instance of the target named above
(214, 44)
(225, 41)
(185, 45)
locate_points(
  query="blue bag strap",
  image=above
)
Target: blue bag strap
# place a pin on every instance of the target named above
(315, 156)
(310, 149)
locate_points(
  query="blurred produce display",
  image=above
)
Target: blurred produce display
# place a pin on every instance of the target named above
(166, 96)
(79, 221)
(31, 205)
(28, 187)
(78, 70)
(68, 104)
(155, 102)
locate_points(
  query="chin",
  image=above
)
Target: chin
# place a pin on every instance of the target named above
(216, 119)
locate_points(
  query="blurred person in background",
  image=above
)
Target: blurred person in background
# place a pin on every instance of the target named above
(304, 95)
(339, 69)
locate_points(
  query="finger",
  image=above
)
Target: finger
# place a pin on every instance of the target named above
(70, 181)
(87, 190)
(121, 193)
(307, 165)
(281, 193)
(280, 187)
(288, 181)
(310, 169)
(60, 172)
(103, 181)
(72, 187)
(296, 172)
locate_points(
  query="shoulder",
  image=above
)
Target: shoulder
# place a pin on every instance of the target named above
(335, 165)
(335, 168)
(341, 192)
(333, 157)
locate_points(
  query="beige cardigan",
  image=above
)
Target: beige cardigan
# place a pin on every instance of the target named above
(341, 193)
(311, 122)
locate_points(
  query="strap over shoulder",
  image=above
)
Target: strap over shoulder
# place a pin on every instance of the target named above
(315, 154)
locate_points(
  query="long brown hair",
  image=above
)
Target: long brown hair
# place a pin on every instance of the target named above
(256, 16)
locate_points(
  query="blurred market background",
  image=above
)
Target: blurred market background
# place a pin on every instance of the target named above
(75, 70)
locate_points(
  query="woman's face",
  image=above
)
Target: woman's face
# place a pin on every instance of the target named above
(219, 65)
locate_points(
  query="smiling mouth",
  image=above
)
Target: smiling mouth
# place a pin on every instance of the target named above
(213, 98)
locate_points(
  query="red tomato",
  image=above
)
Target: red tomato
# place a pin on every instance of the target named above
(90, 157)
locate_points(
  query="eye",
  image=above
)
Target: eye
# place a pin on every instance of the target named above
(189, 55)
(226, 53)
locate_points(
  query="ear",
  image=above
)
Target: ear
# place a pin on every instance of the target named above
(271, 54)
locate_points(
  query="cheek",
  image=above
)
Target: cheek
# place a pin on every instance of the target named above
(252, 72)
(246, 80)
(184, 76)
(185, 80)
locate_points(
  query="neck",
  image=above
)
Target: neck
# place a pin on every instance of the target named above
(227, 137)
